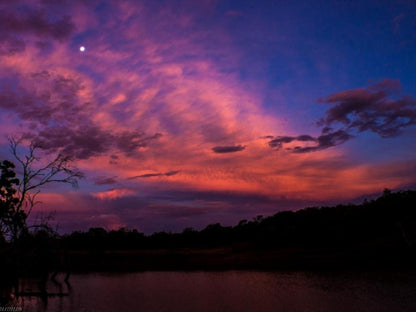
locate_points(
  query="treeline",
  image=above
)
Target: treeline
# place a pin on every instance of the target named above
(387, 222)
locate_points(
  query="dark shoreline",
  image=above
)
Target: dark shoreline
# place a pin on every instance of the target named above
(223, 258)
(376, 234)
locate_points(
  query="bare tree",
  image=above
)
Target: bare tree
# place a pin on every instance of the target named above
(34, 175)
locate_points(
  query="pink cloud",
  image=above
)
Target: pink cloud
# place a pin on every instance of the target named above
(150, 96)
(113, 194)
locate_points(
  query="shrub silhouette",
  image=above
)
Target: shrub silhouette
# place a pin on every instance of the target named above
(18, 196)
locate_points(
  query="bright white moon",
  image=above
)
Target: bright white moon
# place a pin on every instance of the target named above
(82, 49)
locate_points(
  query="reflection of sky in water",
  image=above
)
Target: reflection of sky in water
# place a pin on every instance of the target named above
(227, 291)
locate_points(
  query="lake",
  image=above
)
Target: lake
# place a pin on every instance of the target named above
(226, 291)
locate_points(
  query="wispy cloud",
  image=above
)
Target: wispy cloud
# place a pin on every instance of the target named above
(322, 142)
(164, 99)
(102, 180)
(62, 119)
(19, 21)
(151, 175)
(113, 194)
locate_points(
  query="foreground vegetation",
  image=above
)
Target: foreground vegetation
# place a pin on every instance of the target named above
(377, 233)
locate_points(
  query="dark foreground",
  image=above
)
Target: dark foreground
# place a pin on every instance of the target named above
(375, 234)
(277, 291)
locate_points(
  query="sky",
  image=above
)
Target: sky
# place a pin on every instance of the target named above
(183, 113)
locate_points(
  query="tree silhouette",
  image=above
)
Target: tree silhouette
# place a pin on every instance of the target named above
(9, 216)
(18, 196)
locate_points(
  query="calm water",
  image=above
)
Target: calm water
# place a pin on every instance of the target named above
(227, 291)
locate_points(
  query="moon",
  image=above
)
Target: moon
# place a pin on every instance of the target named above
(82, 49)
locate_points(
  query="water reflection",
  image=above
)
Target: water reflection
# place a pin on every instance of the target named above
(219, 291)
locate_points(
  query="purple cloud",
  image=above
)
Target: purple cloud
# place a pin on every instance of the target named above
(18, 21)
(228, 149)
(378, 108)
(277, 142)
(85, 141)
(323, 141)
(61, 120)
(151, 175)
(35, 21)
(10, 45)
(102, 180)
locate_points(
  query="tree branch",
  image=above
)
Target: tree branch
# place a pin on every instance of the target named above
(58, 170)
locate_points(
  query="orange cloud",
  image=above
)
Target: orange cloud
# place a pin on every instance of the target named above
(154, 82)
(113, 194)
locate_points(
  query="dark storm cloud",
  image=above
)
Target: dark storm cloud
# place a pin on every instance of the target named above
(81, 143)
(378, 108)
(87, 141)
(53, 99)
(278, 142)
(151, 175)
(33, 21)
(228, 149)
(324, 141)
(61, 120)
(321, 142)
(18, 21)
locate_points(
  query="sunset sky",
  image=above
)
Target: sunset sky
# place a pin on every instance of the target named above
(183, 113)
